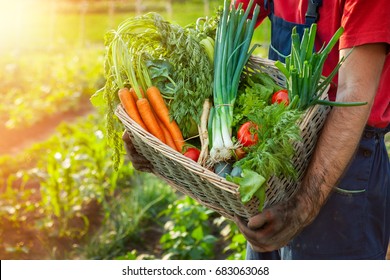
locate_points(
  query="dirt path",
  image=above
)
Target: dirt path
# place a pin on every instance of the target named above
(12, 141)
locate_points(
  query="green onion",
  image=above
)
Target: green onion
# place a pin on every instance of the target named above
(231, 53)
(303, 69)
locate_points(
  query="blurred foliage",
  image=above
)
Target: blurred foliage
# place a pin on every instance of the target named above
(188, 231)
(35, 86)
(131, 219)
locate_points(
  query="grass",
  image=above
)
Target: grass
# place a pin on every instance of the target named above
(131, 219)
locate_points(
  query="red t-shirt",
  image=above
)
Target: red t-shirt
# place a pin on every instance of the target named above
(364, 22)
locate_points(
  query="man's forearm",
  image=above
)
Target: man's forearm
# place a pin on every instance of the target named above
(358, 81)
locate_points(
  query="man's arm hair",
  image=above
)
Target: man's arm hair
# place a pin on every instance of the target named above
(359, 78)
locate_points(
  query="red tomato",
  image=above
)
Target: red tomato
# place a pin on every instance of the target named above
(280, 96)
(247, 134)
(192, 153)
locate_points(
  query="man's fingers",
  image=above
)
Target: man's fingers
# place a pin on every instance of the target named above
(126, 138)
(242, 225)
(257, 222)
(250, 235)
(253, 237)
(139, 162)
(239, 221)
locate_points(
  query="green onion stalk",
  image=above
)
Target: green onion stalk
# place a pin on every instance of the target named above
(303, 70)
(232, 51)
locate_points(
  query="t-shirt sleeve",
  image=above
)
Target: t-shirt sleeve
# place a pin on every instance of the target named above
(365, 22)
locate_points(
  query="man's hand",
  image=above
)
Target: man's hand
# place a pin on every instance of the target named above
(275, 226)
(140, 163)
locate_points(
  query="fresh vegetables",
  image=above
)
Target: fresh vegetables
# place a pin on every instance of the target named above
(208, 45)
(130, 106)
(205, 28)
(223, 168)
(239, 153)
(232, 51)
(203, 133)
(124, 61)
(149, 51)
(277, 122)
(193, 71)
(161, 110)
(192, 153)
(236, 172)
(254, 94)
(303, 69)
(247, 134)
(168, 137)
(251, 184)
(276, 128)
(150, 119)
(281, 96)
(277, 131)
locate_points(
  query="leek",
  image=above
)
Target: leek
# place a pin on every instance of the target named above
(231, 53)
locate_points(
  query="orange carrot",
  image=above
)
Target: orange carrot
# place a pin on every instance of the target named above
(130, 106)
(157, 102)
(147, 115)
(134, 94)
(168, 137)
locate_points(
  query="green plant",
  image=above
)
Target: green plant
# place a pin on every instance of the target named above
(62, 189)
(188, 232)
(232, 51)
(75, 171)
(235, 242)
(15, 203)
(134, 255)
(131, 218)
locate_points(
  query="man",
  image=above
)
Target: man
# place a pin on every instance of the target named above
(341, 210)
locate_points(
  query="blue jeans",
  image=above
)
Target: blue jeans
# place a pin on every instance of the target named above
(355, 221)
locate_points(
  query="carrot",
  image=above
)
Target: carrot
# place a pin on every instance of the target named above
(134, 94)
(147, 115)
(129, 104)
(157, 102)
(168, 137)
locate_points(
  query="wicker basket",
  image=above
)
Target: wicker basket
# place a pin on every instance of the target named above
(208, 188)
